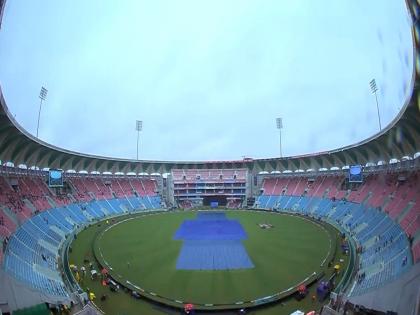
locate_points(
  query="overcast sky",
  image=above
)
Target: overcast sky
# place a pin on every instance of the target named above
(208, 78)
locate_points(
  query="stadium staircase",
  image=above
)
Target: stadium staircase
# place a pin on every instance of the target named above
(29, 205)
(11, 215)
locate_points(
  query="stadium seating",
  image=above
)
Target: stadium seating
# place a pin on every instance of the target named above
(10, 199)
(80, 191)
(335, 187)
(149, 188)
(33, 237)
(411, 221)
(207, 175)
(416, 252)
(31, 254)
(381, 214)
(7, 226)
(126, 187)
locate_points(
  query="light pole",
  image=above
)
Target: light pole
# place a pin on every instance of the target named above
(42, 95)
(374, 89)
(279, 123)
(139, 127)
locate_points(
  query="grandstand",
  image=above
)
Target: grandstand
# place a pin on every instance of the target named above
(35, 221)
(388, 236)
(200, 187)
(380, 215)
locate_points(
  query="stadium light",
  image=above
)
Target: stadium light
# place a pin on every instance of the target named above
(42, 95)
(374, 89)
(279, 124)
(139, 127)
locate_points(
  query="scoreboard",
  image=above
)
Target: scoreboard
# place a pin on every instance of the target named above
(355, 174)
(55, 178)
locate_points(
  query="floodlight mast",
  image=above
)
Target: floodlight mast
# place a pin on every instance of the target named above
(42, 95)
(139, 127)
(374, 89)
(279, 124)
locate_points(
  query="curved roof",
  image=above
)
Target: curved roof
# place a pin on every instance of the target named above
(400, 138)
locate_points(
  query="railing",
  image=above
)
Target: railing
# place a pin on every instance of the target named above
(68, 276)
(89, 309)
(351, 270)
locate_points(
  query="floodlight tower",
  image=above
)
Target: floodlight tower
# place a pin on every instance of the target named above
(279, 123)
(139, 127)
(374, 89)
(42, 95)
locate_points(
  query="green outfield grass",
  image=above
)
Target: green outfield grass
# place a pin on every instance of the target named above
(283, 256)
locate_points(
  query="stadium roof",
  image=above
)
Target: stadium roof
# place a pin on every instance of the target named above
(399, 139)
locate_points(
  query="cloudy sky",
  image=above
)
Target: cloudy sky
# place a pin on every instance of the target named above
(207, 78)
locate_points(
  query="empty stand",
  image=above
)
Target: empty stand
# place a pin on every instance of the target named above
(34, 221)
(383, 215)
